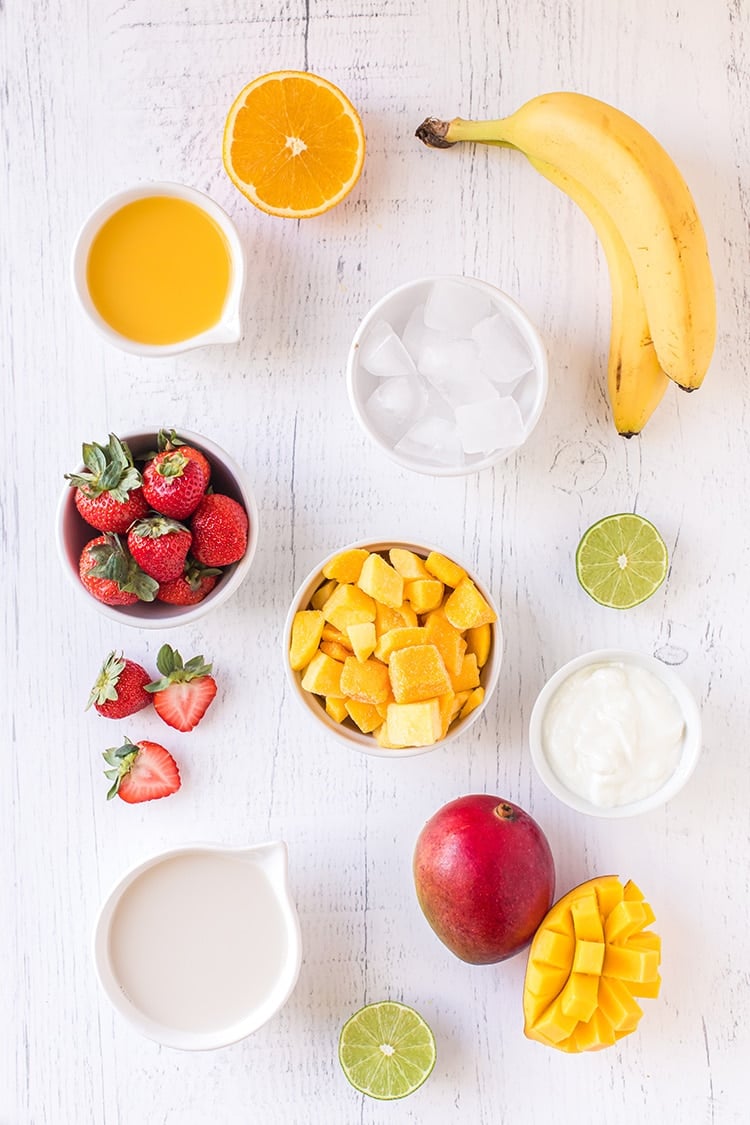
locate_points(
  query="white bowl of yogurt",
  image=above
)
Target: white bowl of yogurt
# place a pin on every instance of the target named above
(200, 945)
(615, 733)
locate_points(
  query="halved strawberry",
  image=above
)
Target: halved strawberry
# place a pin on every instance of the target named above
(141, 771)
(119, 688)
(110, 574)
(184, 692)
(159, 546)
(192, 585)
(108, 489)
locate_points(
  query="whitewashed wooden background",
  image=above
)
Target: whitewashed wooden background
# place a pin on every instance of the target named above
(100, 94)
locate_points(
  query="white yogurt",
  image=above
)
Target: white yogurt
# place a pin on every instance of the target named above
(198, 941)
(612, 733)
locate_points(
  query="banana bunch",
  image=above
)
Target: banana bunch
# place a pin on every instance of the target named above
(663, 300)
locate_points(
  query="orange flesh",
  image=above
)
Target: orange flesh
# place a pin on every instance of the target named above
(158, 270)
(279, 118)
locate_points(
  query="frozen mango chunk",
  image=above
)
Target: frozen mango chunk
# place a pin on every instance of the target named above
(336, 650)
(467, 677)
(307, 629)
(478, 641)
(347, 565)
(444, 569)
(448, 711)
(365, 715)
(380, 734)
(407, 564)
(476, 697)
(348, 605)
(336, 708)
(449, 642)
(418, 673)
(399, 638)
(366, 682)
(465, 608)
(322, 594)
(335, 635)
(424, 594)
(381, 581)
(413, 724)
(362, 638)
(323, 676)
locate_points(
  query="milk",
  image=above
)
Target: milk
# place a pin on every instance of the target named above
(198, 940)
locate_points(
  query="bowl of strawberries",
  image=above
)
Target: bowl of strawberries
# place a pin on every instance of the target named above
(156, 528)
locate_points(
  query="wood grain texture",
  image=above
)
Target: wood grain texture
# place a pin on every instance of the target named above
(95, 96)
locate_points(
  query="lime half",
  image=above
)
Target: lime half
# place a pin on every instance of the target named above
(621, 560)
(386, 1050)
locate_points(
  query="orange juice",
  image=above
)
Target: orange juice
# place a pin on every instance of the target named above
(158, 270)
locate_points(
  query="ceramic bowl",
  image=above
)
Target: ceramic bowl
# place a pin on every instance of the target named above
(395, 308)
(691, 739)
(227, 330)
(193, 1002)
(347, 733)
(73, 533)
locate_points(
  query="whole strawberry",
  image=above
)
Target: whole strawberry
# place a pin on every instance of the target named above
(184, 692)
(219, 529)
(119, 688)
(174, 484)
(159, 545)
(141, 771)
(110, 574)
(108, 489)
(191, 587)
(167, 440)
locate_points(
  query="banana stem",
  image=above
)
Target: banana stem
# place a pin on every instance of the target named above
(443, 134)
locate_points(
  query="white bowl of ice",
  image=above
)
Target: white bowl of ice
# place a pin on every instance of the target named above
(447, 375)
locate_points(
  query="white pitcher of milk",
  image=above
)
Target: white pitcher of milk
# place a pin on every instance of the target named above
(200, 945)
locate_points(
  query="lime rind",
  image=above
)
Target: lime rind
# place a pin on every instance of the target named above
(407, 1060)
(598, 567)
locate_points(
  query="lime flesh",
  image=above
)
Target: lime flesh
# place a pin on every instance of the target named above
(386, 1050)
(621, 561)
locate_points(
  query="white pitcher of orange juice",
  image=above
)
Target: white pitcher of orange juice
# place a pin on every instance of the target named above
(159, 269)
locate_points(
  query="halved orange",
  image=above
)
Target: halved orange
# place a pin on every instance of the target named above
(293, 144)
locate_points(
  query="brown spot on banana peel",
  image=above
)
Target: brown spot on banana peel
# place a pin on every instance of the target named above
(432, 132)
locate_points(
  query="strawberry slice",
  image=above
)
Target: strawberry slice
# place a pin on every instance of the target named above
(184, 692)
(141, 771)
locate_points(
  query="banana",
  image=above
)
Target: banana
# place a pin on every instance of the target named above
(635, 379)
(634, 180)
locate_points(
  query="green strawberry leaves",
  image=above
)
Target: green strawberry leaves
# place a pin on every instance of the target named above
(107, 468)
(105, 686)
(174, 671)
(114, 562)
(121, 759)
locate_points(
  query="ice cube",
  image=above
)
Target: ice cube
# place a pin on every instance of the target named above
(432, 439)
(526, 394)
(416, 334)
(395, 405)
(504, 354)
(382, 353)
(487, 426)
(452, 368)
(455, 306)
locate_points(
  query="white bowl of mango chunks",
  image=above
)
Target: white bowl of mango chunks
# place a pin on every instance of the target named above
(393, 647)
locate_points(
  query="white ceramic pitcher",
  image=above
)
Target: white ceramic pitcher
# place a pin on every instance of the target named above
(198, 946)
